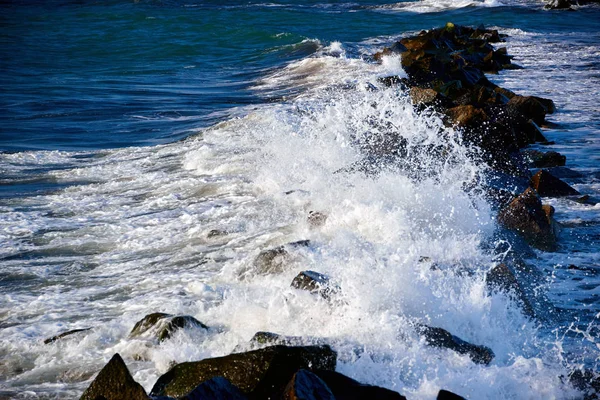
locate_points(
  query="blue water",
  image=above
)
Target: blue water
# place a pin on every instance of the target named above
(131, 129)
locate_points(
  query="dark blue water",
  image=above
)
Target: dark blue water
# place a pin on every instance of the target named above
(90, 75)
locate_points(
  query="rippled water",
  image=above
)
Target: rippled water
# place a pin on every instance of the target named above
(132, 130)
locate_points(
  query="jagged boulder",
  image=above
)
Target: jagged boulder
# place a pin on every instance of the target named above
(548, 159)
(316, 283)
(65, 334)
(260, 374)
(305, 385)
(345, 388)
(163, 326)
(114, 382)
(438, 337)
(467, 116)
(529, 107)
(548, 185)
(501, 278)
(526, 216)
(217, 388)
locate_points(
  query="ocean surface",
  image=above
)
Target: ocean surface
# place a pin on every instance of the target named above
(129, 130)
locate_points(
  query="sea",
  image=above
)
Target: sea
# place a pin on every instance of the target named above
(151, 149)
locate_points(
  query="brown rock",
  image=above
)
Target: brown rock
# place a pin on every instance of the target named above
(305, 385)
(467, 116)
(114, 382)
(529, 107)
(526, 216)
(548, 185)
(260, 374)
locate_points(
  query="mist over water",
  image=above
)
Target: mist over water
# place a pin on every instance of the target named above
(290, 122)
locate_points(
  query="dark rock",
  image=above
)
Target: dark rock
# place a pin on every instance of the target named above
(540, 159)
(271, 339)
(260, 374)
(217, 388)
(316, 283)
(396, 48)
(558, 5)
(467, 116)
(305, 385)
(547, 103)
(438, 337)
(216, 233)
(275, 260)
(390, 81)
(446, 395)
(549, 186)
(526, 216)
(565, 173)
(345, 388)
(65, 334)
(586, 381)
(162, 325)
(529, 107)
(428, 98)
(316, 219)
(114, 382)
(501, 278)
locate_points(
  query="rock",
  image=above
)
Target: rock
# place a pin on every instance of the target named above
(114, 382)
(586, 381)
(65, 334)
(260, 374)
(547, 103)
(216, 233)
(565, 173)
(316, 219)
(446, 395)
(396, 48)
(345, 388)
(162, 325)
(526, 216)
(428, 97)
(529, 107)
(217, 388)
(270, 338)
(438, 337)
(316, 283)
(558, 5)
(501, 278)
(467, 116)
(540, 159)
(305, 385)
(549, 186)
(275, 260)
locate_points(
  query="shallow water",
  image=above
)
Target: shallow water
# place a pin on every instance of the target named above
(138, 128)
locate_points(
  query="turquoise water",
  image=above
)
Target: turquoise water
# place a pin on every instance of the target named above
(130, 130)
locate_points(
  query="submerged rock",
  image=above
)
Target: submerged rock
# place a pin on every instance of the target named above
(162, 325)
(501, 278)
(316, 283)
(548, 185)
(260, 374)
(65, 334)
(526, 216)
(316, 219)
(345, 388)
(114, 382)
(305, 385)
(548, 159)
(275, 260)
(558, 5)
(217, 388)
(438, 337)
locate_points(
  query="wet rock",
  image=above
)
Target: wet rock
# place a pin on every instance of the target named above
(501, 278)
(396, 48)
(391, 81)
(447, 395)
(558, 5)
(305, 385)
(587, 382)
(162, 325)
(467, 116)
(549, 186)
(276, 260)
(217, 388)
(216, 233)
(428, 98)
(260, 374)
(547, 103)
(65, 334)
(316, 283)
(316, 219)
(540, 159)
(529, 107)
(114, 382)
(526, 216)
(438, 337)
(345, 388)
(271, 339)
(565, 173)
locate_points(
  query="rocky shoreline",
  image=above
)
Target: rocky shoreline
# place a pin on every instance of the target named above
(445, 75)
